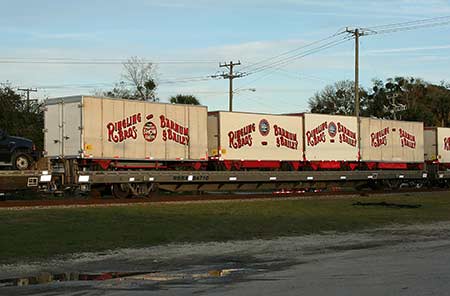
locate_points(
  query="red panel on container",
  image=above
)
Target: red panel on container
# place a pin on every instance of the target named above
(326, 165)
(353, 166)
(371, 165)
(392, 166)
(260, 164)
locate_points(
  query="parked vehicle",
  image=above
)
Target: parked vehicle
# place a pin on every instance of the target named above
(16, 152)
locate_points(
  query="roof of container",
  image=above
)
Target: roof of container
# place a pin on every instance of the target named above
(244, 112)
(78, 98)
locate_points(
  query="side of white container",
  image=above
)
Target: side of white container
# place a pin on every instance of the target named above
(443, 144)
(391, 141)
(330, 137)
(133, 130)
(254, 137)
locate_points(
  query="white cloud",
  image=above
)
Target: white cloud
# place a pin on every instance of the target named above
(406, 49)
(64, 36)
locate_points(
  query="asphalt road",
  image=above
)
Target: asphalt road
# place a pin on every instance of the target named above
(413, 260)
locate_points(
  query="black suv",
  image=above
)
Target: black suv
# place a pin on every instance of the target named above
(16, 152)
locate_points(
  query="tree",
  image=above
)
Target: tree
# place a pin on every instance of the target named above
(184, 99)
(338, 99)
(20, 120)
(141, 75)
(401, 98)
(120, 90)
(438, 97)
(139, 82)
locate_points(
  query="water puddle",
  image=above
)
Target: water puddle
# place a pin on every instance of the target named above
(155, 276)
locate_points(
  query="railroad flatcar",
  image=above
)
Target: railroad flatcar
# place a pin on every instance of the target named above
(134, 147)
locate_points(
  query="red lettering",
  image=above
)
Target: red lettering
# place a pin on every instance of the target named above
(241, 137)
(173, 131)
(447, 144)
(123, 129)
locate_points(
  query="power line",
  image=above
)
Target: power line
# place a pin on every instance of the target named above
(287, 60)
(73, 61)
(407, 26)
(293, 50)
(416, 22)
(382, 29)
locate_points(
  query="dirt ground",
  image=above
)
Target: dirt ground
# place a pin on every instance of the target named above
(408, 260)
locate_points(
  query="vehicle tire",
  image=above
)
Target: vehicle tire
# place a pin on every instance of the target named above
(21, 161)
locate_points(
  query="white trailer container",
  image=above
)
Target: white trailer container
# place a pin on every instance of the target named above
(437, 144)
(105, 128)
(391, 141)
(330, 137)
(250, 136)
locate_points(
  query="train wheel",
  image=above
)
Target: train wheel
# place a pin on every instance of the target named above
(392, 184)
(142, 189)
(121, 190)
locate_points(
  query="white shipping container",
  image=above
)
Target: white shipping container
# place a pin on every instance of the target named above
(437, 144)
(250, 136)
(330, 137)
(391, 141)
(105, 128)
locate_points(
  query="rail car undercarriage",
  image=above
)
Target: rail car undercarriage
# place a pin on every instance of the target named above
(68, 176)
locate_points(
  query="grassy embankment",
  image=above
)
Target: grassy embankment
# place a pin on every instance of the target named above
(40, 233)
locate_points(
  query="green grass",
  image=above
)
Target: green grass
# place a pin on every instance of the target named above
(35, 234)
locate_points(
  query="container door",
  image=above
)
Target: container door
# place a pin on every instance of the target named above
(71, 129)
(431, 149)
(63, 129)
(53, 130)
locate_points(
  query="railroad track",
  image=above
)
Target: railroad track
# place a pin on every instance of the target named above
(87, 202)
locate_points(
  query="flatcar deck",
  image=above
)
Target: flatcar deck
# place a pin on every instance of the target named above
(241, 180)
(12, 180)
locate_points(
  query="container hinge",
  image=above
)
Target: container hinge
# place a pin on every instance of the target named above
(45, 130)
(80, 128)
(80, 105)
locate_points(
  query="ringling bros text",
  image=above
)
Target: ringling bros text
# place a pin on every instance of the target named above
(318, 134)
(244, 136)
(380, 138)
(126, 128)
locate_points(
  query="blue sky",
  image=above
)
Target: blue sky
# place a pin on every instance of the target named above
(210, 32)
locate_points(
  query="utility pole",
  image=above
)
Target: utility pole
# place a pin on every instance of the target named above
(28, 90)
(356, 32)
(230, 76)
